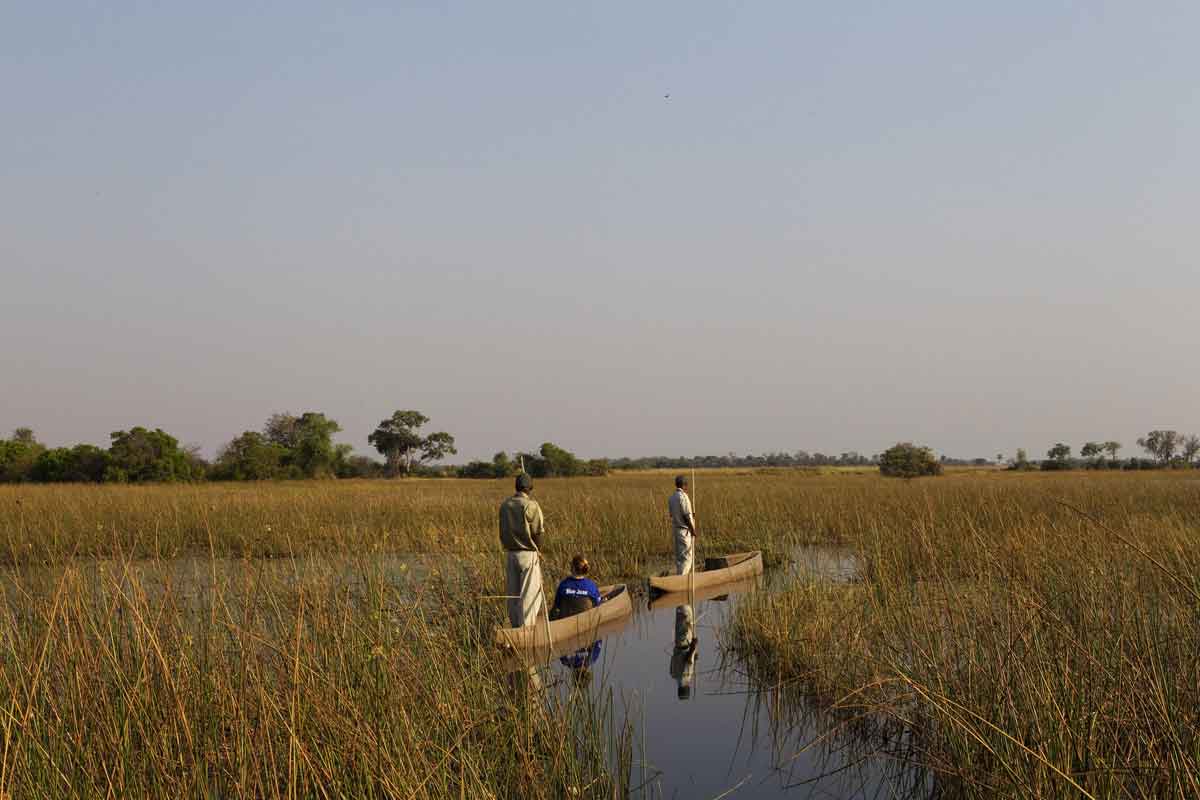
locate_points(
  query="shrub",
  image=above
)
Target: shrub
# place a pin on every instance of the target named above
(906, 460)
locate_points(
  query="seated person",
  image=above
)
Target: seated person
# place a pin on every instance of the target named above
(576, 593)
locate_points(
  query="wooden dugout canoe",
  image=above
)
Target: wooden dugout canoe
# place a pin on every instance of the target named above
(616, 605)
(737, 566)
(714, 592)
(522, 658)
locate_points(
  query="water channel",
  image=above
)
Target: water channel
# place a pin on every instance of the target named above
(703, 729)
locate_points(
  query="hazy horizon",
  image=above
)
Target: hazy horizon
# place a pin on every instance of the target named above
(682, 229)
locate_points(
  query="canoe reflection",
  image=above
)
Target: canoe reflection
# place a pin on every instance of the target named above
(683, 654)
(565, 649)
(718, 593)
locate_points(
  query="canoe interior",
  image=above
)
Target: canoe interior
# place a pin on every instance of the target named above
(609, 592)
(713, 563)
(725, 562)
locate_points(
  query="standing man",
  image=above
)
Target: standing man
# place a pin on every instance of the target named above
(521, 529)
(683, 525)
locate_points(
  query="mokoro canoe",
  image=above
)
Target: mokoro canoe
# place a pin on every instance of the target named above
(716, 591)
(737, 566)
(522, 658)
(616, 605)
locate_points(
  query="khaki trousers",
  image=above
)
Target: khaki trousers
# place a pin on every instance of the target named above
(683, 551)
(524, 583)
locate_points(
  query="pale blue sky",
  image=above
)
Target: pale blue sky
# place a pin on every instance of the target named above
(970, 225)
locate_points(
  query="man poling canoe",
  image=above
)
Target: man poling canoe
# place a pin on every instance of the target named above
(521, 529)
(683, 526)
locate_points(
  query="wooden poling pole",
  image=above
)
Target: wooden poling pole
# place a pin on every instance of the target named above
(692, 586)
(545, 606)
(695, 549)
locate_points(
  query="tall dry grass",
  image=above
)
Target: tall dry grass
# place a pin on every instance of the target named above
(314, 678)
(324, 639)
(1034, 650)
(620, 520)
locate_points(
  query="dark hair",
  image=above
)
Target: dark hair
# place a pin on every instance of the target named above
(579, 565)
(680, 481)
(524, 483)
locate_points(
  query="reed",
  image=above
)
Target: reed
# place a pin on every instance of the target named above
(306, 678)
(327, 640)
(1032, 650)
(620, 521)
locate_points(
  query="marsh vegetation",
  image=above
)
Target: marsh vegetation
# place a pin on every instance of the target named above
(1033, 633)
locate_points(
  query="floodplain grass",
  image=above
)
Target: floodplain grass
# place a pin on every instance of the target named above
(141, 679)
(1035, 634)
(326, 639)
(620, 521)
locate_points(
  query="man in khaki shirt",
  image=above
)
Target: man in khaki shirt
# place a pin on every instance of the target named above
(521, 529)
(683, 525)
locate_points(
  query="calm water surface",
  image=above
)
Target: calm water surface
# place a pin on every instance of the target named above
(705, 732)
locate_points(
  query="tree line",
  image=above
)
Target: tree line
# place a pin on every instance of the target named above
(1167, 449)
(299, 446)
(287, 446)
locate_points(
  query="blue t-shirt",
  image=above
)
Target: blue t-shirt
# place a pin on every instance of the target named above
(577, 587)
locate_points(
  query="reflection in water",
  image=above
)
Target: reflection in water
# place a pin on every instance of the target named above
(581, 662)
(683, 654)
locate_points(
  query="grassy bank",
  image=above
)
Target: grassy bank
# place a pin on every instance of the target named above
(1035, 651)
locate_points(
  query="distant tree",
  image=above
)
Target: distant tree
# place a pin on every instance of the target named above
(502, 466)
(1160, 444)
(596, 466)
(83, 463)
(1092, 451)
(314, 452)
(1058, 457)
(437, 446)
(560, 462)
(359, 467)
(1059, 452)
(250, 457)
(1021, 461)
(477, 469)
(200, 466)
(17, 456)
(1111, 448)
(139, 455)
(397, 439)
(906, 460)
(1191, 448)
(283, 430)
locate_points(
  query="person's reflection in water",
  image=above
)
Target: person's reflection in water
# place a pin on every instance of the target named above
(581, 662)
(683, 656)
